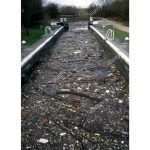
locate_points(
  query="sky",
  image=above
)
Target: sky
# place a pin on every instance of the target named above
(79, 3)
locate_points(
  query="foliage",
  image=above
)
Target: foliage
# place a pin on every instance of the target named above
(31, 11)
(69, 10)
(112, 8)
(92, 7)
(52, 10)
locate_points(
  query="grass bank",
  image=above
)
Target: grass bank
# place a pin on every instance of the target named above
(34, 34)
(118, 33)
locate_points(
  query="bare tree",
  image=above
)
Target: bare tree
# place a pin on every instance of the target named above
(112, 8)
(105, 2)
(69, 10)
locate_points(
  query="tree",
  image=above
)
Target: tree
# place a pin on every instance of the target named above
(37, 11)
(92, 7)
(69, 10)
(31, 11)
(114, 8)
(52, 10)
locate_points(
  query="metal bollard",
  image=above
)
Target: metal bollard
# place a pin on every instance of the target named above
(90, 23)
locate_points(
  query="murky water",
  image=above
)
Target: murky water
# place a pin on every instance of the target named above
(54, 121)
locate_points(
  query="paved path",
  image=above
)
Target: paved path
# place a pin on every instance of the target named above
(115, 24)
(53, 120)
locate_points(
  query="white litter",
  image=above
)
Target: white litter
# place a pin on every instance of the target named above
(78, 88)
(77, 52)
(96, 90)
(44, 141)
(97, 134)
(65, 90)
(62, 134)
(79, 78)
(120, 101)
(50, 122)
(107, 91)
(87, 88)
(109, 75)
(76, 128)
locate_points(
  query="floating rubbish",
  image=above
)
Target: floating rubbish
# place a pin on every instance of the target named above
(62, 134)
(76, 128)
(78, 88)
(28, 147)
(97, 134)
(101, 73)
(77, 52)
(96, 90)
(107, 91)
(110, 75)
(65, 90)
(49, 91)
(76, 103)
(79, 78)
(120, 101)
(80, 29)
(125, 133)
(87, 88)
(66, 98)
(44, 141)
(71, 147)
(64, 146)
(50, 122)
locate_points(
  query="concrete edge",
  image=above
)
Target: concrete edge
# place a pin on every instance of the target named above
(123, 62)
(29, 61)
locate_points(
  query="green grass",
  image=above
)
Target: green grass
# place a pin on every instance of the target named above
(118, 33)
(35, 34)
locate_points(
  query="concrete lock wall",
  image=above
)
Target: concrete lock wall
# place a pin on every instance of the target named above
(123, 62)
(29, 61)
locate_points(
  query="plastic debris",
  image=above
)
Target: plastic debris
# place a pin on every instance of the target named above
(44, 141)
(69, 121)
(120, 101)
(49, 90)
(107, 91)
(77, 52)
(62, 134)
(76, 128)
(78, 88)
(50, 122)
(65, 90)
